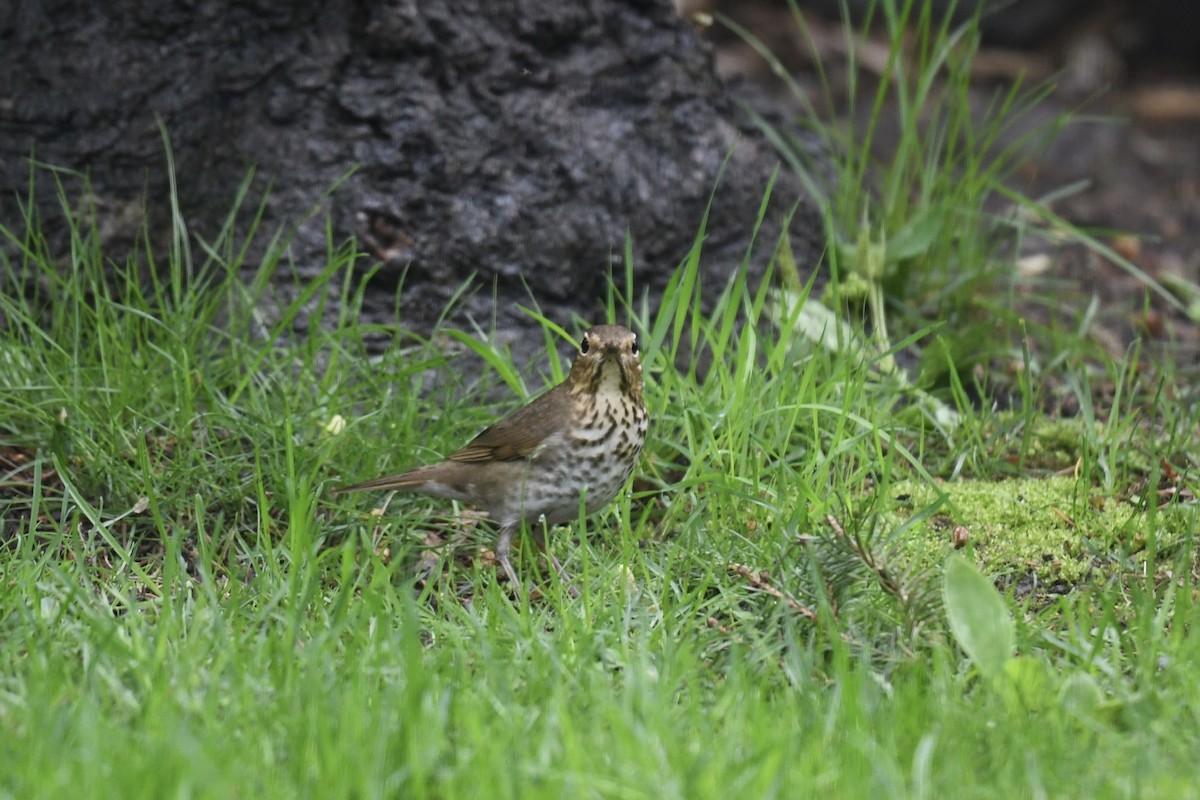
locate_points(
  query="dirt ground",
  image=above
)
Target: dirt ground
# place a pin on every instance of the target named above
(1135, 146)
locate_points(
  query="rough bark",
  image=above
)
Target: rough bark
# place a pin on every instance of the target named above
(517, 141)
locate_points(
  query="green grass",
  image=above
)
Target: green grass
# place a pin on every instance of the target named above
(237, 633)
(773, 610)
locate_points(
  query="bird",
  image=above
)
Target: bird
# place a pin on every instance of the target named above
(578, 442)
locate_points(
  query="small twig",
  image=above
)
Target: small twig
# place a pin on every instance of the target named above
(1063, 516)
(761, 580)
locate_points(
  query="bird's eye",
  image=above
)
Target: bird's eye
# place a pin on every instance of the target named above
(583, 346)
(633, 347)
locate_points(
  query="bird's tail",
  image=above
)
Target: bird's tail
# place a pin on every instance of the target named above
(405, 480)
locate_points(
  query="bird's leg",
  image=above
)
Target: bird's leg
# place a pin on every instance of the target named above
(564, 576)
(539, 538)
(503, 549)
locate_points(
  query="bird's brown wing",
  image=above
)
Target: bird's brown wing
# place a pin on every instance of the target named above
(520, 434)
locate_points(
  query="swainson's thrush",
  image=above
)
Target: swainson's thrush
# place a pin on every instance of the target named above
(580, 439)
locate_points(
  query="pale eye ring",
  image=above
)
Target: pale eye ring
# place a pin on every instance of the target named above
(583, 346)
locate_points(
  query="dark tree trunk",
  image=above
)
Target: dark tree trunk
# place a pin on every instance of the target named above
(516, 141)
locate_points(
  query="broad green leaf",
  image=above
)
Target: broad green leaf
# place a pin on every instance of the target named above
(978, 617)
